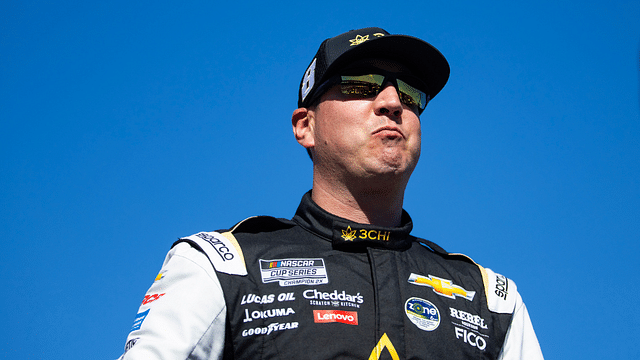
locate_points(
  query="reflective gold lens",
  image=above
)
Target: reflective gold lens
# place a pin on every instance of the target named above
(371, 85)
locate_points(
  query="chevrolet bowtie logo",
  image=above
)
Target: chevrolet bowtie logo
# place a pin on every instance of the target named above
(359, 40)
(441, 286)
(348, 234)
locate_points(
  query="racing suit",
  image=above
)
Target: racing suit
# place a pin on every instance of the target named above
(322, 287)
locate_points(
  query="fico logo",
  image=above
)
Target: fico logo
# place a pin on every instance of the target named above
(329, 316)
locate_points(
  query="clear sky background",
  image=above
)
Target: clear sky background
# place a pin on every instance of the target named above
(125, 125)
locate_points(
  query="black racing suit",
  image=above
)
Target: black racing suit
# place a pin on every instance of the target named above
(322, 287)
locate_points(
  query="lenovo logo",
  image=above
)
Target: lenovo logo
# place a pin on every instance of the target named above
(329, 316)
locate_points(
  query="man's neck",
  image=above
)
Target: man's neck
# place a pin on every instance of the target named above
(366, 206)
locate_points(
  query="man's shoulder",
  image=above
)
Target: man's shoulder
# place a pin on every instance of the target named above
(223, 248)
(259, 224)
(500, 292)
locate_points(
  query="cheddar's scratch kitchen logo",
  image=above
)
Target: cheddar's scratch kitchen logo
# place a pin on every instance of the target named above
(441, 286)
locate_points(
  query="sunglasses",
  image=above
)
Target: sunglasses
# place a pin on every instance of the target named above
(370, 85)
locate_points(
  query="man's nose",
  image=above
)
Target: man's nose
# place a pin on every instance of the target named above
(387, 102)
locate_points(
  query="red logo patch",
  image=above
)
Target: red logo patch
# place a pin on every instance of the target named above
(329, 316)
(150, 298)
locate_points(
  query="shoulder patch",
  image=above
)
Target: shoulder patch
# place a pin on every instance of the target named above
(501, 292)
(223, 251)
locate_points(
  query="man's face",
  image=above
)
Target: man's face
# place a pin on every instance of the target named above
(374, 137)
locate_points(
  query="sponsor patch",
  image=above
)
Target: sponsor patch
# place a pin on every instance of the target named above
(384, 343)
(150, 298)
(222, 250)
(266, 314)
(330, 316)
(471, 337)
(130, 344)
(160, 275)
(291, 272)
(137, 323)
(349, 234)
(266, 299)
(469, 320)
(335, 299)
(501, 293)
(422, 313)
(267, 330)
(502, 286)
(442, 286)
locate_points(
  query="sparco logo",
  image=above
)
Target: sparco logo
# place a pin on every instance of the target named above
(329, 316)
(218, 245)
(502, 285)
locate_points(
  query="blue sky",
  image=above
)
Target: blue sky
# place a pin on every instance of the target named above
(126, 126)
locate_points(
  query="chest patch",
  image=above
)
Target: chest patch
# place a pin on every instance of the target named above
(422, 313)
(291, 272)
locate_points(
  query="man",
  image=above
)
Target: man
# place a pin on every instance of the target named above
(343, 279)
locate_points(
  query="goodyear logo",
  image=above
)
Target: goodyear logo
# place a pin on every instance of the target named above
(349, 235)
(441, 286)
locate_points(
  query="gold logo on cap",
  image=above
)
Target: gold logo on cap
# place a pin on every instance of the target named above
(348, 234)
(359, 40)
(378, 34)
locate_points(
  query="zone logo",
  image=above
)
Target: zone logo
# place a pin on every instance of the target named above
(329, 316)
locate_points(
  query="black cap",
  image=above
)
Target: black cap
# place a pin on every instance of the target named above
(425, 61)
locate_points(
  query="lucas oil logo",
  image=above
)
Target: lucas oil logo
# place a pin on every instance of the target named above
(441, 286)
(291, 272)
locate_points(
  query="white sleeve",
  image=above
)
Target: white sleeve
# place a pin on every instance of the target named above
(521, 342)
(183, 313)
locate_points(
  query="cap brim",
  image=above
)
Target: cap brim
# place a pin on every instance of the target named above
(424, 60)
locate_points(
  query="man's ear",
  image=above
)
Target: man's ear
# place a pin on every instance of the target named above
(302, 121)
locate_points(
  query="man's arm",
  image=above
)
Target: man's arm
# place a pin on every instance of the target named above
(183, 313)
(521, 341)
